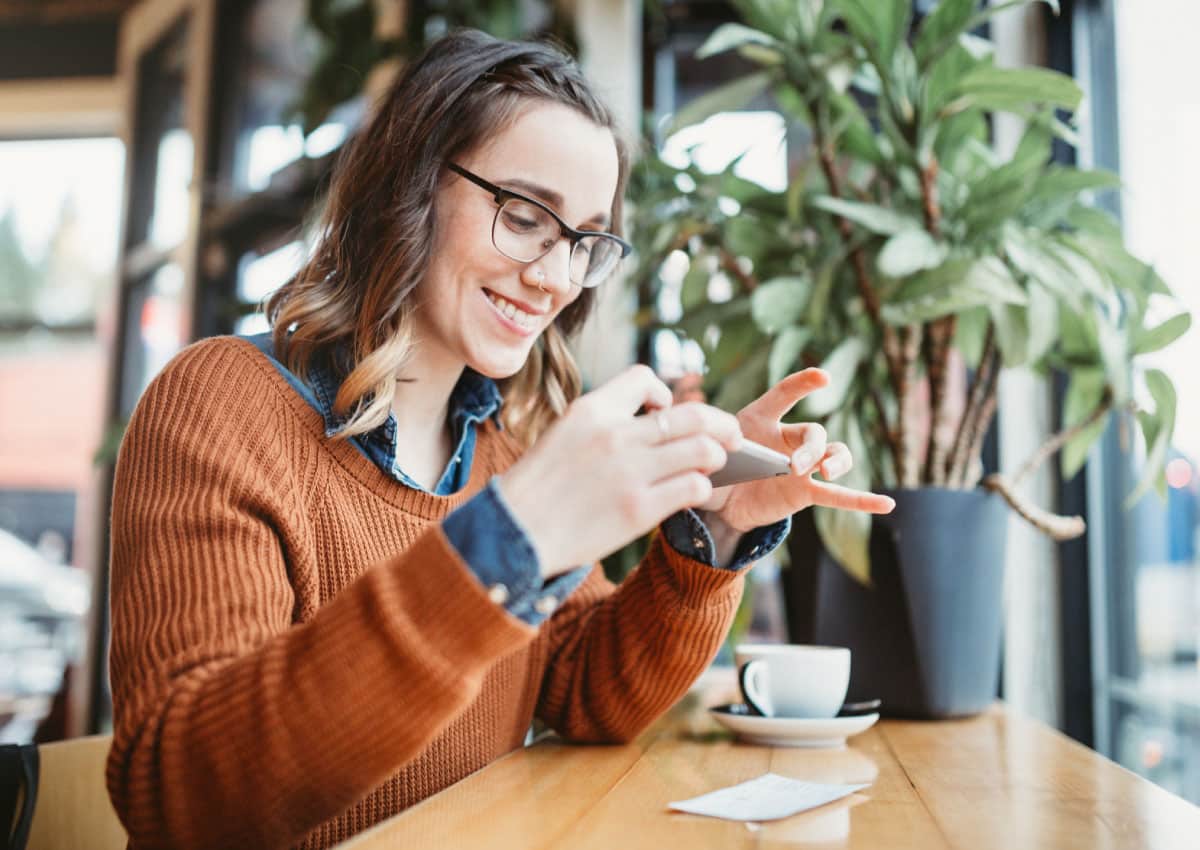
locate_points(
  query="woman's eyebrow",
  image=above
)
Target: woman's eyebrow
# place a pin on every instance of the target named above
(552, 198)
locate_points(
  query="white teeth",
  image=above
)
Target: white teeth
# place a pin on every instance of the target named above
(511, 311)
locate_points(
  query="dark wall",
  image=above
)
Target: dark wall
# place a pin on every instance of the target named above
(36, 50)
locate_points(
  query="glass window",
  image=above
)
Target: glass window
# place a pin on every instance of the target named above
(275, 50)
(60, 202)
(1153, 616)
(259, 276)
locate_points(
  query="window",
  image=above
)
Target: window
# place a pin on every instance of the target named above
(1146, 580)
(60, 200)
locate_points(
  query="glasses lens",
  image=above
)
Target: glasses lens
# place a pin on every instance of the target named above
(524, 232)
(594, 259)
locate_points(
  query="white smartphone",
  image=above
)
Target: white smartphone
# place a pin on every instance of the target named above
(752, 461)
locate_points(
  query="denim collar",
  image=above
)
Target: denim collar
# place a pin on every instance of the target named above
(475, 398)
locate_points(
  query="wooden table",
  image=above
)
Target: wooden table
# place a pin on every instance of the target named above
(998, 780)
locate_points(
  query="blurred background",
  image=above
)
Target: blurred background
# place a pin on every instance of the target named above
(160, 162)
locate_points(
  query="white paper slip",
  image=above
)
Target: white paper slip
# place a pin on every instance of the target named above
(769, 797)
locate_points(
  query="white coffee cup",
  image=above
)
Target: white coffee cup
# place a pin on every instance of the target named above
(790, 680)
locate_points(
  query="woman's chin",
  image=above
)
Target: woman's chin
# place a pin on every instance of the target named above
(500, 365)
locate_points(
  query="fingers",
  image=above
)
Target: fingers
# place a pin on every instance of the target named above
(782, 397)
(686, 420)
(632, 389)
(678, 492)
(836, 462)
(699, 453)
(843, 498)
(809, 440)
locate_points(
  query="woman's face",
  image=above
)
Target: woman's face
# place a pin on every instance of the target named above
(551, 153)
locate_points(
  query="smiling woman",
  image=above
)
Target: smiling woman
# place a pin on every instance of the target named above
(354, 558)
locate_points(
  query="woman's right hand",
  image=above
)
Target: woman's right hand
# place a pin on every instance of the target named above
(601, 476)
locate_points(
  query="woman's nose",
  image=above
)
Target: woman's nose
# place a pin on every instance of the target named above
(553, 270)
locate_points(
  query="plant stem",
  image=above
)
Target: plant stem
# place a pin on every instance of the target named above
(909, 352)
(885, 431)
(968, 479)
(1057, 526)
(957, 463)
(941, 335)
(729, 264)
(1052, 445)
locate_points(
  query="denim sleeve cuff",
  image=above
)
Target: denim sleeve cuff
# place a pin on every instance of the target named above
(689, 536)
(759, 542)
(498, 551)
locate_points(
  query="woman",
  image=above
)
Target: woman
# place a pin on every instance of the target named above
(352, 560)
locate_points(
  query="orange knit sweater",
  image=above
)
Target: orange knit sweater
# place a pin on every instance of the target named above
(297, 650)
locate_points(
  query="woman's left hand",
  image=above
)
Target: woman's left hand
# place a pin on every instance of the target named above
(757, 503)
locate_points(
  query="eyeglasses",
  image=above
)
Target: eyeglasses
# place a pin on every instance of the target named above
(525, 230)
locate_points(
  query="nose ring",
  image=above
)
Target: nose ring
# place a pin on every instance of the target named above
(540, 276)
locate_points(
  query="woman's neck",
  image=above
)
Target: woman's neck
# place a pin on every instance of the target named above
(421, 406)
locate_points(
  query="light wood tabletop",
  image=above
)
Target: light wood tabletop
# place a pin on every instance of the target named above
(998, 780)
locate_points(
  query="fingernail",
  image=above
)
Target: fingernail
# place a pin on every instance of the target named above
(804, 458)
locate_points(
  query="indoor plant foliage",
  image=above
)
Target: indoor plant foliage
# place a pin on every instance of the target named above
(905, 254)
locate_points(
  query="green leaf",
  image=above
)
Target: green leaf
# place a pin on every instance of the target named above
(847, 534)
(969, 333)
(1031, 257)
(879, 24)
(1025, 334)
(1012, 333)
(941, 29)
(1043, 322)
(1162, 335)
(1158, 440)
(739, 339)
(873, 217)
(841, 364)
(1080, 339)
(1114, 356)
(990, 87)
(729, 36)
(745, 383)
(727, 98)
(952, 288)
(779, 303)
(1084, 393)
(746, 236)
(785, 351)
(694, 290)
(1094, 221)
(910, 251)
(818, 303)
(708, 313)
(1058, 192)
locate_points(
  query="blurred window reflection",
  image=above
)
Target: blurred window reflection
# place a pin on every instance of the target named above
(1153, 619)
(59, 208)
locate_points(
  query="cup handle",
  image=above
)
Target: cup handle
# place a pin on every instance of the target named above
(751, 678)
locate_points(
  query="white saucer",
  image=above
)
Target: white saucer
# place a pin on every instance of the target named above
(792, 731)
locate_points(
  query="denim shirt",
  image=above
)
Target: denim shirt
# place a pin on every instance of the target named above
(483, 530)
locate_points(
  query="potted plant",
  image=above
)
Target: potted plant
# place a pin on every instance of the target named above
(914, 263)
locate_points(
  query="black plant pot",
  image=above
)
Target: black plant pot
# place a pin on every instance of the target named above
(925, 638)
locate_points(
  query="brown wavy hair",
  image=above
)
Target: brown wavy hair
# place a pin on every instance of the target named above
(349, 304)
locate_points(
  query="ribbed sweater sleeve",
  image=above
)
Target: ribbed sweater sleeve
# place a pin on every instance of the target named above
(620, 657)
(234, 726)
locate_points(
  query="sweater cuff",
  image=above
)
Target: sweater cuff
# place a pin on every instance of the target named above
(452, 610)
(697, 584)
